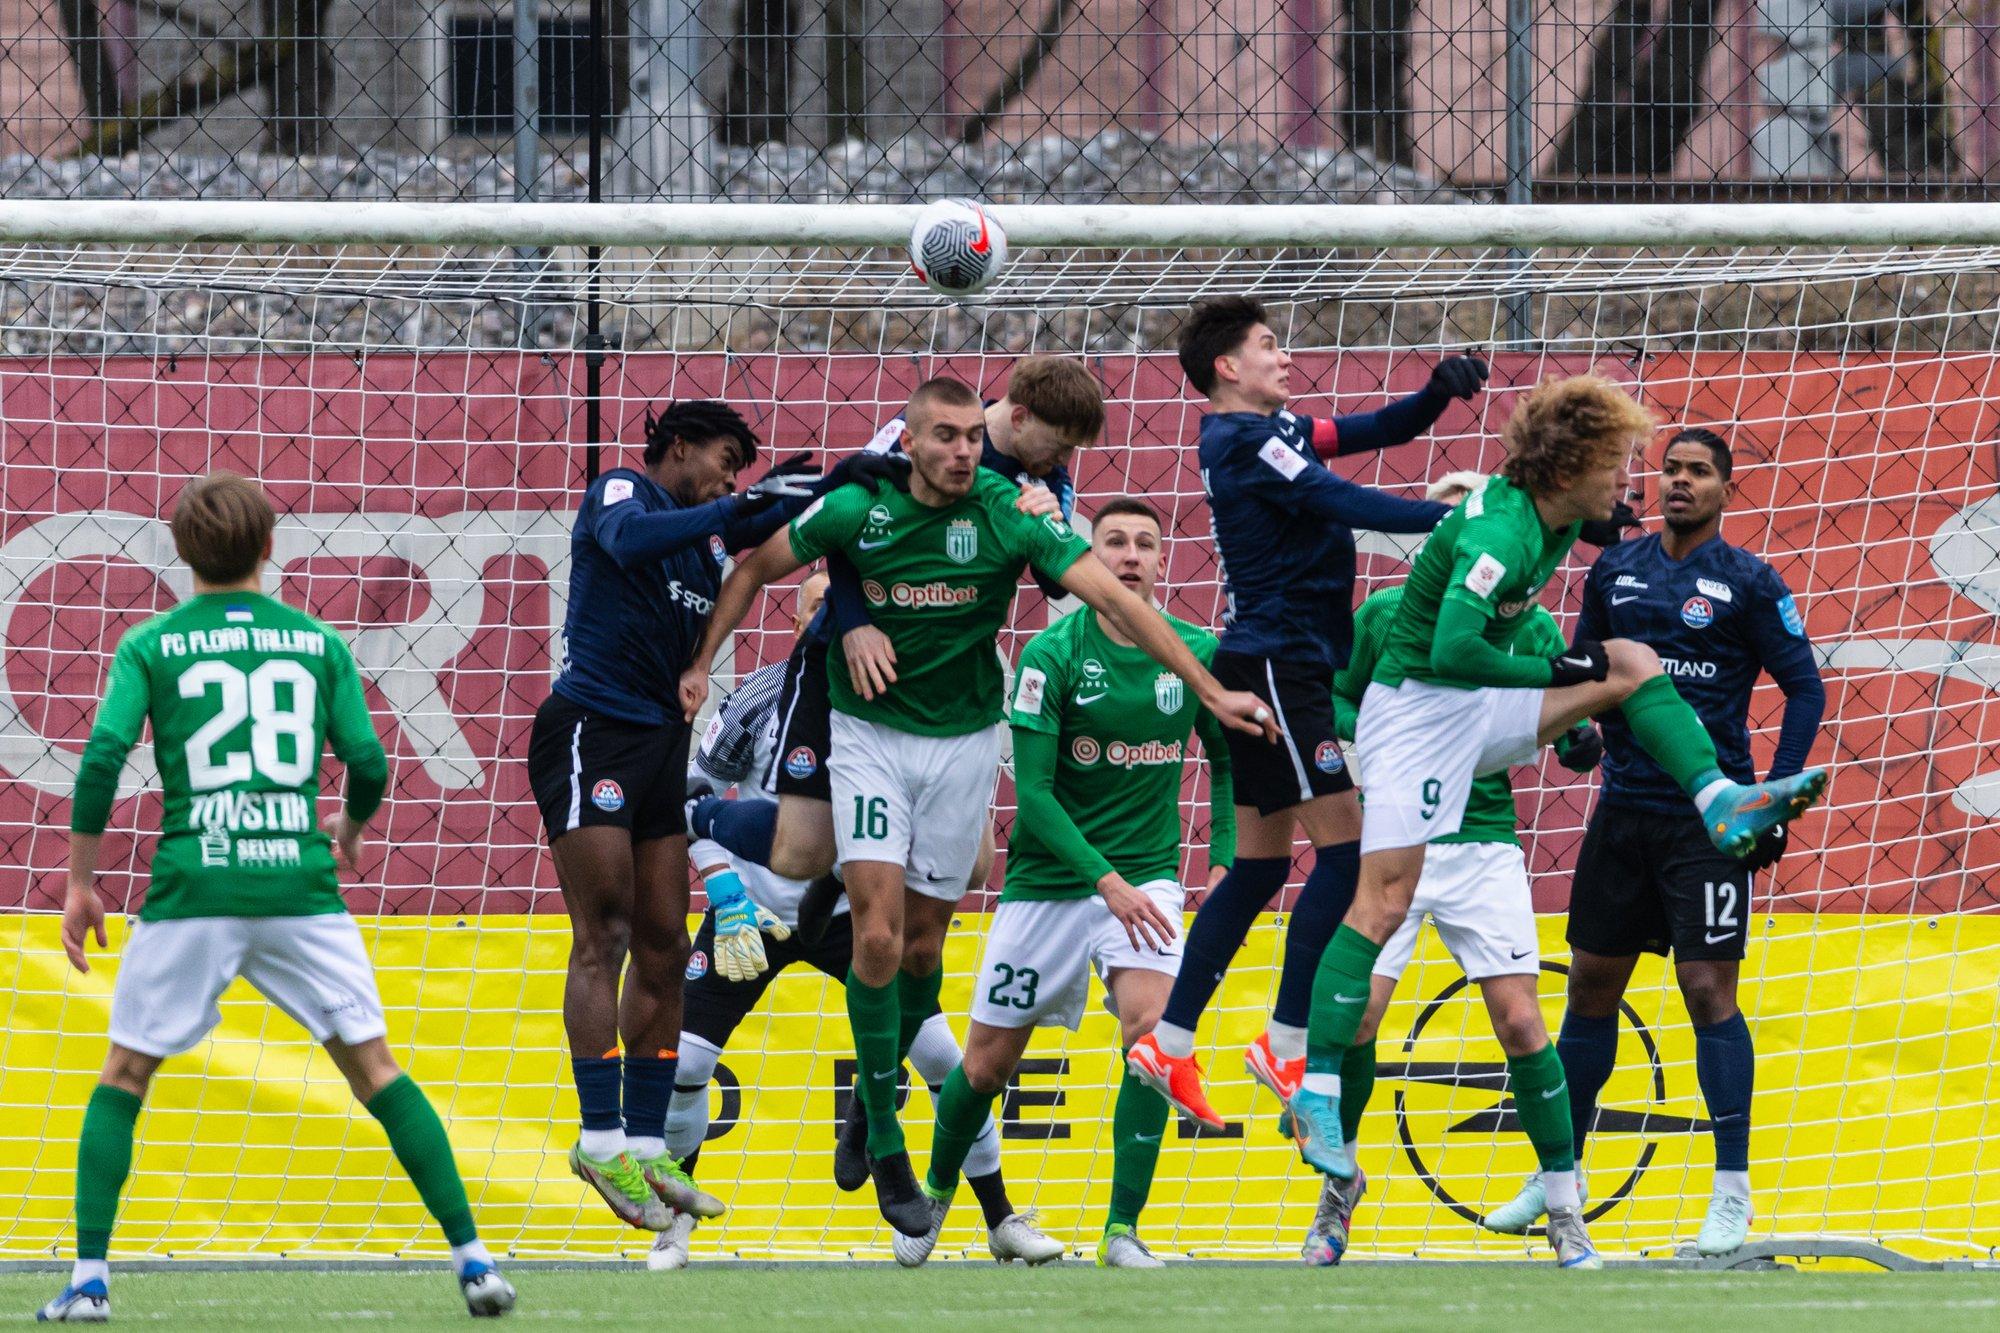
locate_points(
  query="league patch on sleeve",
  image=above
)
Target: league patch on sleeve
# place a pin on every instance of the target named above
(1028, 698)
(1283, 458)
(714, 732)
(1789, 617)
(1485, 575)
(618, 488)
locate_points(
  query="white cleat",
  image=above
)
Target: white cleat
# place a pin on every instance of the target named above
(1514, 1217)
(89, 1303)
(1122, 1248)
(487, 1294)
(670, 1248)
(1017, 1237)
(911, 1251)
(1727, 1225)
(1570, 1240)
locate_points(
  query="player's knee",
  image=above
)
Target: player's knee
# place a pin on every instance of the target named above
(661, 950)
(1710, 998)
(878, 951)
(922, 958)
(1519, 1029)
(128, 1071)
(1592, 996)
(986, 1072)
(1632, 663)
(601, 949)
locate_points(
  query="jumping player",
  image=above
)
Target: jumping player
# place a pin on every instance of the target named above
(1283, 531)
(1449, 704)
(913, 768)
(1093, 868)
(242, 693)
(1648, 879)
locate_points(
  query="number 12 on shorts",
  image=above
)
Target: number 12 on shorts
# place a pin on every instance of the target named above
(871, 817)
(1720, 905)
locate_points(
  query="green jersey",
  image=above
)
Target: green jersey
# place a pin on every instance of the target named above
(243, 692)
(1116, 725)
(1492, 553)
(1490, 815)
(940, 583)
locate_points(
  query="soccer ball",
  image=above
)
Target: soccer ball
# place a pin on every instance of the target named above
(957, 247)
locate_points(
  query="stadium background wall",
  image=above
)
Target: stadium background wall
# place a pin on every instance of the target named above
(428, 503)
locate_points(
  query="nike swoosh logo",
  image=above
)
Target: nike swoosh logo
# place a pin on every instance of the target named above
(1085, 700)
(1145, 1138)
(985, 242)
(884, 1073)
(873, 546)
(1348, 999)
(1620, 601)
(1555, 1091)
(1710, 938)
(1520, 953)
(1763, 799)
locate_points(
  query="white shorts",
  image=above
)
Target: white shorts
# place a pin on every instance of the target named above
(919, 802)
(1425, 744)
(1476, 894)
(172, 974)
(1036, 969)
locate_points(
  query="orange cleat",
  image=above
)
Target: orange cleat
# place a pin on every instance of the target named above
(1282, 1077)
(1178, 1079)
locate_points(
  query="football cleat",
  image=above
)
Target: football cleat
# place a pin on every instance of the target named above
(1727, 1225)
(1316, 1129)
(1017, 1237)
(903, 1203)
(1570, 1240)
(1327, 1241)
(621, 1184)
(670, 1248)
(1514, 1217)
(1282, 1077)
(1122, 1248)
(850, 1147)
(1737, 816)
(911, 1251)
(487, 1294)
(1177, 1078)
(85, 1303)
(677, 1190)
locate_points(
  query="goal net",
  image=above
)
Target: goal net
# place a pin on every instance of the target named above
(409, 383)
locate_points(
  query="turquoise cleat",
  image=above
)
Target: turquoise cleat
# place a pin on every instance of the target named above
(1316, 1128)
(1735, 818)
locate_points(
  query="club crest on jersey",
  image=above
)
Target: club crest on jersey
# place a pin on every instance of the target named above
(961, 541)
(1327, 759)
(607, 796)
(717, 549)
(1084, 750)
(697, 967)
(801, 762)
(1169, 692)
(1697, 613)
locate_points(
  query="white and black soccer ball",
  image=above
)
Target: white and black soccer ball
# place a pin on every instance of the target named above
(957, 247)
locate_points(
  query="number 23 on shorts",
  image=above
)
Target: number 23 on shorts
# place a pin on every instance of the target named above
(1006, 977)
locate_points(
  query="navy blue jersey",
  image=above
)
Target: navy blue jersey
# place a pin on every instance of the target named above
(1284, 533)
(643, 576)
(1717, 619)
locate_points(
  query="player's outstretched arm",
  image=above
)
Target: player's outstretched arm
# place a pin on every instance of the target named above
(1221, 796)
(767, 564)
(1142, 623)
(1455, 377)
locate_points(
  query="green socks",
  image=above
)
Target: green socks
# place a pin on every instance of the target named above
(421, 1145)
(875, 1014)
(1541, 1099)
(961, 1114)
(1670, 731)
(918, 997)
(103, 1160)
(1138, 1123)
(1357, 1085)
(1339, 998)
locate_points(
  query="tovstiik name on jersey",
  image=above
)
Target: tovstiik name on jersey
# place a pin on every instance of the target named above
(251, 812)
(243, 639)
(1122, 754)
(918, 596)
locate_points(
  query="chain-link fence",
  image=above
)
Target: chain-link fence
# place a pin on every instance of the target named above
(1056, 100)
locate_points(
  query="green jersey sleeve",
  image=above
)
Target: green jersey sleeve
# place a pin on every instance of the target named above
(351, 730)
(1372, 620)
(1041, 685)
(1047, 543)
(1487, 552)
(1036, 754)
(830, 522)
(1540, 635)
(121, 717)
(1221, 789)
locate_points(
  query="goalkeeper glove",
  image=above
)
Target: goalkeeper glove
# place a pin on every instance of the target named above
(740, 927)
(871, 469)
(1580, 749)
(1602, 532)
(787, 480)
(1458, 377)
(1586, 660)
(1769, 847)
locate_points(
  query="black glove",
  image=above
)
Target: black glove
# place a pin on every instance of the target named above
(1580, 749)
(785, 480)
(1603, 532)
(871, 469)
(1586, 660)
(1458, 377)
(1770, 846)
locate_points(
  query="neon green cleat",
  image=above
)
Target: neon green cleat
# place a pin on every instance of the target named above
(677, 1189)
(621, 1184)
(1122, 1248)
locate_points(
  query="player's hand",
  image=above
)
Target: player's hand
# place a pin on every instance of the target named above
(871, 660)
(1244, 711)
(1215, 874)
(1584, 661)
(1145, 924)
(1608, 531)
(83, 916)
(740, 927)
(345, 831)
(1582, 748)
(871, 469)
(787, 479)
(693, 691)
(1458, 377)
(1037, 500)
(1770, 846)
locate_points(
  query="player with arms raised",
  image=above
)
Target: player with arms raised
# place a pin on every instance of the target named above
(1449, 703)
(1093, 867)
(1647, 878)
(913, 769)
(242, 692)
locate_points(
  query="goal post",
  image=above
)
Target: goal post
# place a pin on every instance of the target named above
(407, 381)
